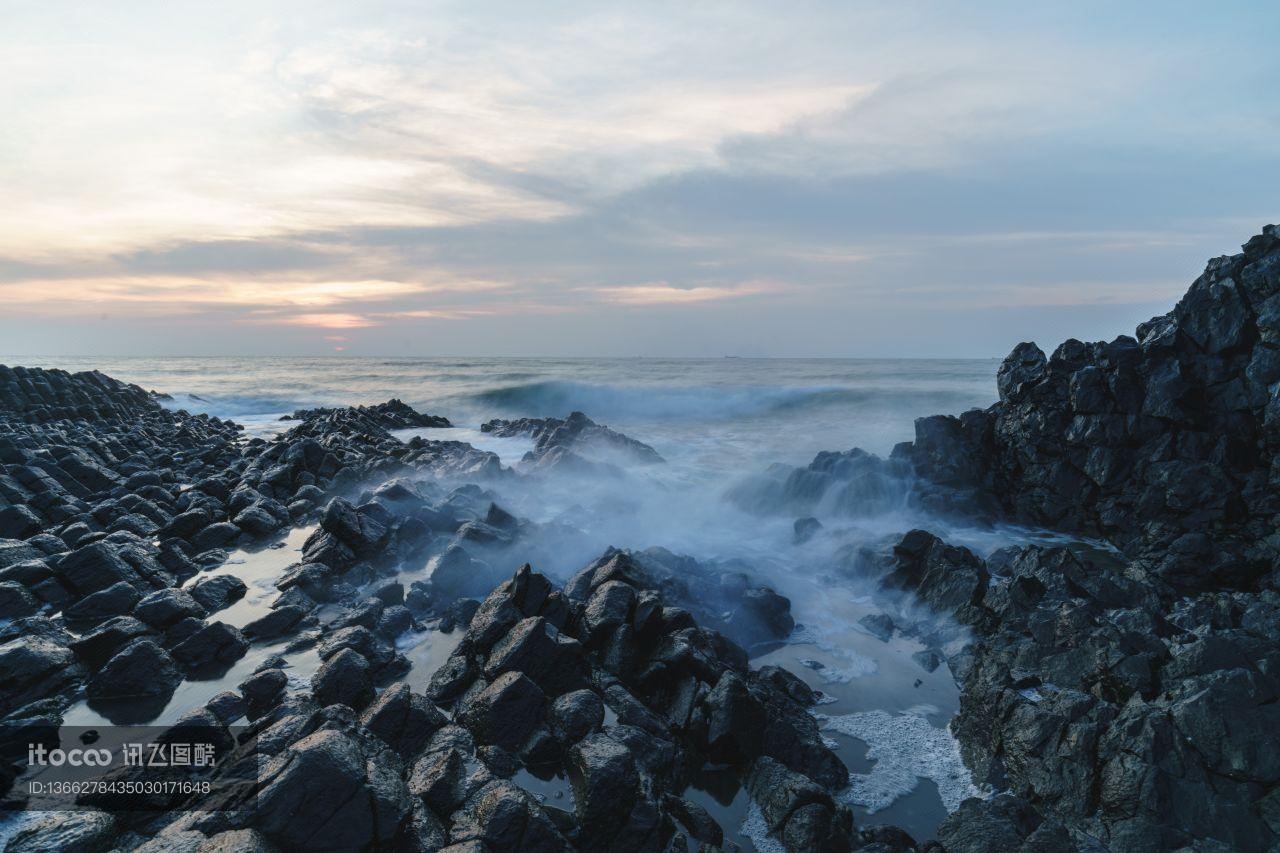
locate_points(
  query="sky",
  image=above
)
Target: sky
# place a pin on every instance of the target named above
(905, 179)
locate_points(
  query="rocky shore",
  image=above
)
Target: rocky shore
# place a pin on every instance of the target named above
(1118, 693)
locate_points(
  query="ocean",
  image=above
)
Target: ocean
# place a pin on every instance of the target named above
(717, 423)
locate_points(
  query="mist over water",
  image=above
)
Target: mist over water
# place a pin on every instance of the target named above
(720, 424)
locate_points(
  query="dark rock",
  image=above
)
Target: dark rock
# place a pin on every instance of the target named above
(505, 712)
(228, 706)
(805, 529)
(165, 607)
(343, 678)
(553, 661)
(96, 646)
(879, 624)
(216, 644)
(606, 787)
(141, 670)
(263, 690)
(115, 600)
(575, 715)
(218, 592)
(403, 719)
(215, 536)
(34, 667)
(66, 832)
(276, 623)
(324, 792)
(15, 601)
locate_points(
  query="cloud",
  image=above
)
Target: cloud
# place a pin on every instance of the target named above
(521, 177)
(323, 321)
(665, 294)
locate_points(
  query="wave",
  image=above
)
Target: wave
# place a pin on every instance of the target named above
(676, 402)
(234, 405)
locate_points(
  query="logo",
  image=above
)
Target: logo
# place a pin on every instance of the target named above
(40, 755)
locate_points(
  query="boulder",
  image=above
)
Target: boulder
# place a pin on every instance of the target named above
(506, 712)
(141, 670)
(343, 678)
(404, 720)
(325, 793)
(218, 592)
(215, 645)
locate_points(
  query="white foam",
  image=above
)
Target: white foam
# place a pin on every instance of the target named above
(859, 667)
(906, 748)
(755, 829)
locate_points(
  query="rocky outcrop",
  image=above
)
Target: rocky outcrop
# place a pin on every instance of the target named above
(538, 666)
(576, 436)
(1162, 443)
(1111, 714)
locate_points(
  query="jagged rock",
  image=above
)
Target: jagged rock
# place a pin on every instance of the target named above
(96, 646)
(343, 678)
(403, 719)
(141, 670)
(216, 644)
(325, 792)
(115, 600)
(15, 601)
(263, 690)
(505, 712)
(165, 607)
(34, 667)
(576, 714)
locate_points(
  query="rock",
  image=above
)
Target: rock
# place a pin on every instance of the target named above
(324, 792)
(166, 607)
(768, 616)
(880, 625)
(215, 536)
(115, 600)
(13, 551)
(237, 841)
(438, 778)
(228, 706)
(781, 792)
(605, 788)
(404, 720)
(98, 566)
(552, 660)
(736, 720)
(503, 817)
(276, 623)
(576, 714)
(34, 668)
(15, 601)
(505, 712)
(263, 690)
(696, 820)
(805, 529)
(457, 574)
(66, 832)
(1003, 823)
(19, 522)
(141, 670)
(218, 592)
(343, 678)
(215, 645)
(96, 646)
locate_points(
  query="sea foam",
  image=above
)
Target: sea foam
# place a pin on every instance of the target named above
(906, 747)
